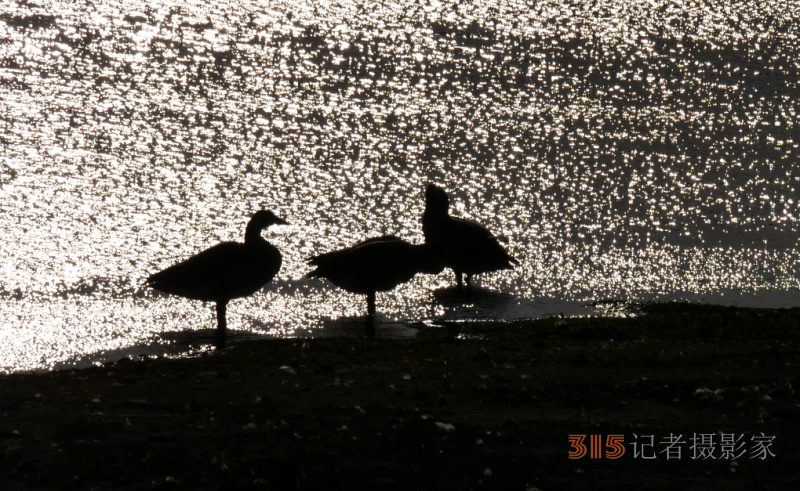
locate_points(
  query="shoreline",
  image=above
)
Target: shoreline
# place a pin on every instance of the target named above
(491, 411)
(84, 346)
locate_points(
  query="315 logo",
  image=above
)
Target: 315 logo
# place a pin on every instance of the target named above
(614, 446)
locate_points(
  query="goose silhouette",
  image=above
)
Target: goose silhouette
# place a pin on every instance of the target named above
(377, 264)
(470, 248)
(225, 271)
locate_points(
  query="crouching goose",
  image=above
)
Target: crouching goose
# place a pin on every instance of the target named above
(470, 247)
(377, 264)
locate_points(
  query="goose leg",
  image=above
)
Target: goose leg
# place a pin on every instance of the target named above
(371, 304)
(459, 284)
(469, 280)
(222, 323)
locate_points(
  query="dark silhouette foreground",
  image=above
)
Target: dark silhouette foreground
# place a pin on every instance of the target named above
(427, 413)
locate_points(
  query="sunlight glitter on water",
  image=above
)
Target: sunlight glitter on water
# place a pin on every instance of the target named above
(627, 149)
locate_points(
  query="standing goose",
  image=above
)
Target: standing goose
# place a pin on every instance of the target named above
(377, 264)
(225, 271)
(471, 249)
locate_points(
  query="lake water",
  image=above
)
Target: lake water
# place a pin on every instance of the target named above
(626, 149)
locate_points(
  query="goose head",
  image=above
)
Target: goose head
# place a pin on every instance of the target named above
(436, 200)
(258, 222)
(263, 219)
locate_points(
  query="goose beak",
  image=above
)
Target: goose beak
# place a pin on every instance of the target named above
(280, 221)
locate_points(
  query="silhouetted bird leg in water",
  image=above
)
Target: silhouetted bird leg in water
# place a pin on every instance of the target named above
(222, 324)
(371, 315)
(370, 306)
(459, 282)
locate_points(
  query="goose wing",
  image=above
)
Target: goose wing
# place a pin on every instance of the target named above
(222, 272)
(376, 264)
(473, 247)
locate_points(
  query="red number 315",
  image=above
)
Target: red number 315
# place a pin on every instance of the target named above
(614, 442)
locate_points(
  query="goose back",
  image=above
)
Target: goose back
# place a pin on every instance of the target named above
(227, 270)
(377, 264)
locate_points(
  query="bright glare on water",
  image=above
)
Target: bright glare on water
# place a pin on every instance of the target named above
(626, 149)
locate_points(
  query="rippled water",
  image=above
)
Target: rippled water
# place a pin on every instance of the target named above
(626, 149)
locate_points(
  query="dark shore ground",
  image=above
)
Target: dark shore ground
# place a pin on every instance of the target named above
(492, 411)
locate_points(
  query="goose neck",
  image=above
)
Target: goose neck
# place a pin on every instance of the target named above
(252, 234)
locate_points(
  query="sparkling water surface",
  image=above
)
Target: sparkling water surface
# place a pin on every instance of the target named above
(625, 149)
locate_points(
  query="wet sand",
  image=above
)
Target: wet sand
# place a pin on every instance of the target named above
(493, 410)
